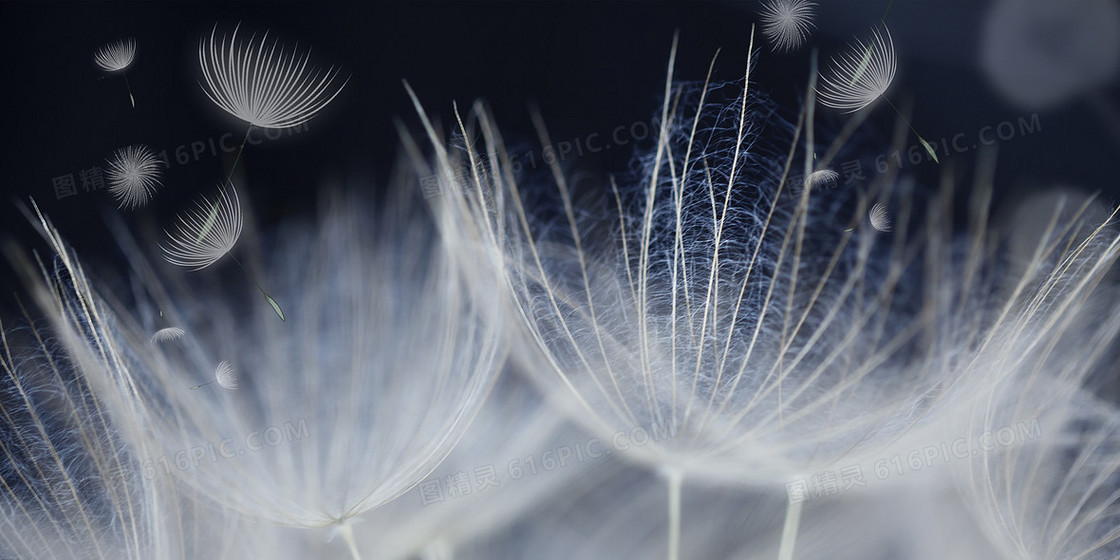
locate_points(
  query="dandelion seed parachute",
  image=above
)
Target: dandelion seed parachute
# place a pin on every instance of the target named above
(133, 175)
(879, 218)
(168, 334)
(786, 23)
(205, 233)
(226, 375)
(818, 179)
(860, 75)
(115, 57)
(263, 84)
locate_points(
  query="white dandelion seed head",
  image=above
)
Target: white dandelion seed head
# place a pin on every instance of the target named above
(206, 232)
(117, 56)
(263, 83)
(860, 75)
(133, 175)
(226, 375)
(786, 23)
(821, 178)
(168, 334)
(733, 327)
(879, 218)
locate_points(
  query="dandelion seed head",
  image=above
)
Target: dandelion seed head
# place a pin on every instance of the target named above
(133, 175)
(263, 83)
(168, 334)
(206, 232)
(858, 76)
(879, 218)
(226, 375)
(115, 57)
(821, 178)
(786, 23)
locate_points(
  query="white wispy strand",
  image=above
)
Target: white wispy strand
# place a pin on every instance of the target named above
(370, 386)
(860, 75)
(205, 233)
(133, 174)
(73, 484)
(262, 83)
(117, 56)
(1053, 492)
(786, 23)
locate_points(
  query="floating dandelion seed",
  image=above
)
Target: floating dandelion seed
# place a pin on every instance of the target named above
(200, 240)
(879, 218)
(116, 57)
(134, 175)
(225, 375)
(207, 233)
(168, 334)
(786, 23)
(820, 178)
(261, 84)
(860, 75)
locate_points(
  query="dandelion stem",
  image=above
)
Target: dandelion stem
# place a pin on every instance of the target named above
(348, 536)
(926, 145)
(885, 12)
(129, 88)
(237, 158)
(229, 180)
(674, 477)
(789, 529)
(272, 302)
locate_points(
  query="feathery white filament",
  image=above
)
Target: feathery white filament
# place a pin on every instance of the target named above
(133, 175)
(859, 75)
(262, 84)
(206, 232)
(117, 56)
(786, 23)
